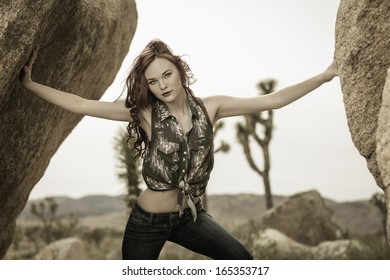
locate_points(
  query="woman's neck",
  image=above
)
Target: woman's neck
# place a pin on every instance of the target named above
(179, 107)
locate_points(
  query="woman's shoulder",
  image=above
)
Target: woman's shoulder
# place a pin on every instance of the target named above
(211, 103)
(214, 101)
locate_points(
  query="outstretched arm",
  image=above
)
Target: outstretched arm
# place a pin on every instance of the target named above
(225, 106)
(71, 102)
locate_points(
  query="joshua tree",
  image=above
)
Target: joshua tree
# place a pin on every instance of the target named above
(46, 211)
(223, 148)
(248, 130)
(53, 227)
(129, 169)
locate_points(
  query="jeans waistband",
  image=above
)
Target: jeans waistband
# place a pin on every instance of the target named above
(166, 215)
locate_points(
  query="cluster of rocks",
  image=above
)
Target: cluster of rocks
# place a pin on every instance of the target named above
(302, 227)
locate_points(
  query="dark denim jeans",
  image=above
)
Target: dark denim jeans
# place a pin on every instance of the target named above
(146, 234)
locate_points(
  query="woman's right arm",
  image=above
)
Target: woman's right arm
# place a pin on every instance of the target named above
(71, 102)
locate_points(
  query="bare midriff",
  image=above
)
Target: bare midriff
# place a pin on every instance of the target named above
(161, 201)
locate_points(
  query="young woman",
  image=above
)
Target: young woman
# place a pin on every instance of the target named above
(172, 131)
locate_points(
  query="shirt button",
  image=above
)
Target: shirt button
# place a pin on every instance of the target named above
(183, 170)
(185, 153)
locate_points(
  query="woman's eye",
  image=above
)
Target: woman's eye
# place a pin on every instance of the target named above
(167, 75)
(151, 83)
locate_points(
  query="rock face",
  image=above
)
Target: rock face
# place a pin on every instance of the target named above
(81, 46)
(273, 244)
(363, 56)
(383, 146)
(304, 218)
(65, 249)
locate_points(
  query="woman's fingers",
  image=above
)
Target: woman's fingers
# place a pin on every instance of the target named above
(335, 68)
(25, 73)
(32, 58)
(332, 68)
(331, 71)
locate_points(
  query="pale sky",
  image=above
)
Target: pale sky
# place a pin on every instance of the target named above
(231, 45)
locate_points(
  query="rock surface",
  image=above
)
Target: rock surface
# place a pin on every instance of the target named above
(65, 249)
(304, 218)
(363, 57)
(383, 145)
(273, 244)
(82, 44)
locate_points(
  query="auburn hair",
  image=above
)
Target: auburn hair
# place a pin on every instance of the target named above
(140, 98)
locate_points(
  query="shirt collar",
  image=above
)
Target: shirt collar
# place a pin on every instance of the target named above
(163, 112)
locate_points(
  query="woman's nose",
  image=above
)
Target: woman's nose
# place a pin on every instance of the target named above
(162, 86)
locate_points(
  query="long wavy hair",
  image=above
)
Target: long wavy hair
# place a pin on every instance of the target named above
(139, 97)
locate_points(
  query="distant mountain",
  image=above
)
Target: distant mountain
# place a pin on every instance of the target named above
(359, 217)
(93, 205)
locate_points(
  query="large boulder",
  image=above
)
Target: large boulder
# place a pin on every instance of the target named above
(82, 44)
(363, 57)
(304, 218)
(71, 248)
(383, 145)
(273, 244)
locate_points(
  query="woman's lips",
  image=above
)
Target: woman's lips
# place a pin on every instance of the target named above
(165, 94)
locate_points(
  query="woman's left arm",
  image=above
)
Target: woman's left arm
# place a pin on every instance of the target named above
(221, 106)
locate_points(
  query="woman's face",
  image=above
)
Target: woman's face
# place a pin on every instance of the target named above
(163, 79)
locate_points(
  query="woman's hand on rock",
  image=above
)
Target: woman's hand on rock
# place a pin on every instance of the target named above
(25, 73)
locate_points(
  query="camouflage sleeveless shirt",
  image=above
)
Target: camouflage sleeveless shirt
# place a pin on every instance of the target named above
(175, 159)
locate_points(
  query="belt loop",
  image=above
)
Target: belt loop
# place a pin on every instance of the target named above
(199, 205)
(151, 216)
(192, 207)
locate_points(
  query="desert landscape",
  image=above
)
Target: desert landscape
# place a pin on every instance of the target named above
(92, 228)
